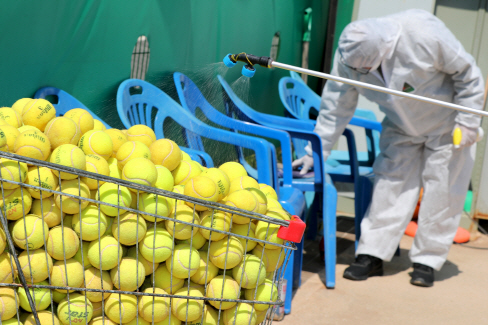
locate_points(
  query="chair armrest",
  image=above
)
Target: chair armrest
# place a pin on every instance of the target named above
(199, 155)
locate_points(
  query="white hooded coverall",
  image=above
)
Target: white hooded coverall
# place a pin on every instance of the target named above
(420, 55)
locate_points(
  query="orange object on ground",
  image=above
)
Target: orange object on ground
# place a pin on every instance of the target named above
(411, 229)
(462, 235)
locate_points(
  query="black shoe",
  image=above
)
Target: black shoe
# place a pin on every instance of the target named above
(364, 267)
(422, 275)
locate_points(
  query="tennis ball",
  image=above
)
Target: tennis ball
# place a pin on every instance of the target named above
(149, 267)
(9, 302)
(89, 223)
(45, 318)
(156, 245)
(26, 127)
(11, 134)
(180, 230)
(261, 199)
(3, 241)
(62, 242)
(265, 292)
(226, 253)
(166, 153)
(243, 314)
(98, 165)
(155, 204)
(210, 317)
(116, 195)
(68, 155)
(95, 280)
(250, 272)
(153, 308)
(206, 271)
(187, 309)
(163, 279)
(118, 139)
(83, 250)
(18, 106)
(233, 170)
(96, 142)
(268, 191)
(30, 231)
(75, 309)
(108, 249)
(98, 125)
(8, 268)
(268, 232)
(165, 179)
(41, 177)
(72, 205)
(62, 130)
(40, 296)
(272, 258)
(140, 171)
(185, 156)
(11, 170)
(221, 179)
(216, 220)
(185, 171)
(273, 204)
(36, 265)
(81, 117)
(131, 150)
(128, 275)
(141, 133)
(99, 319)
(242, 199)
(38, 112)
(202, 188)
(16, 202)
(247, 230)
(129, 229)
(121, 308)
(67, 275)
(230, 291)
(197, 240)
(243, 182)
(184, 262)
(180, 189)
(11, 116)
(113, 167)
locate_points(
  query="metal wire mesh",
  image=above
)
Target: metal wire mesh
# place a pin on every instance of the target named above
(78, 256)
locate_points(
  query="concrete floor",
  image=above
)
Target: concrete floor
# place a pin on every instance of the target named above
(459, 295)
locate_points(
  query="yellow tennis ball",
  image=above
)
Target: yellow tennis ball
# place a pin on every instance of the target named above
(140, 171)
(32, 144)
(62, 242)
(273, 204)
(185, 156)
(96, 142)
(153, 308)
(187, 309)
(36, 265)
(62, 130)
(184, 262)
(8, 268)
(3, 139)
(128, 275)
(98, 165)
(38, 112)
(180, 189)
(9, 301)
(243, 314)
(98, 125)
(220, 178)
(141, 133)
(185, 171)
(243, 182)
(40, 296)
(89, 223)
(230, 291)
(11, 170)
(68, 204)
(11, 134)
(108, 249)
(272, 258)
(216, 220)
(210, 317)
(130, 228)
(121, 308)
(197, 240)
(206, 271)
(155, 204)
(149, 266)
(30, 231)
(48, 211)
(16, 202)
(268, 232)
(11, 116)
(68, 155)
(113, 167)
(67, 275)
(166, 153)
(261, 198)
(202, 188)
(3, 241)
(250, 272)
(164, 280)
(18, 106)
(233, 170)
(97, 318)
(268, 191)
(131, 150)
(267, 291)
(41, 177)
(165, 180)
(81, 117)
(242, 199)
(118, 139)
(156, 245)
(116, 195)
(95, 280)
(45, 318)
(247, 230)
(226, 253)
(75, 309)
(180, 230)
(83, 250)
(26, 127)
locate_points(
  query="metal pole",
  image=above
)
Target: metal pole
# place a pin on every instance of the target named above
(378, 88)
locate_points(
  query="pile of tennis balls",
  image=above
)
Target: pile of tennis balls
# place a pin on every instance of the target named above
(61, 241)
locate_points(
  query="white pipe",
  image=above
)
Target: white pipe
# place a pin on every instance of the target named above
(380, 89)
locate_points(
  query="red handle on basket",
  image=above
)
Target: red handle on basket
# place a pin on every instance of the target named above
(294, 231)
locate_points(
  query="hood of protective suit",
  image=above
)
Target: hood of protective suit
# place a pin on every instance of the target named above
(365, 43)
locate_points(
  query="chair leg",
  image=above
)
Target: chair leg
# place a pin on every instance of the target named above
(312, 219)
(330, 227)
(362, 198)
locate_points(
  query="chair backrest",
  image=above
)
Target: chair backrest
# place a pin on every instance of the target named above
(65, 102)
(296, 76)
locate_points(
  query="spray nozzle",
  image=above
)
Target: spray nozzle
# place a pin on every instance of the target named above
(248, 70)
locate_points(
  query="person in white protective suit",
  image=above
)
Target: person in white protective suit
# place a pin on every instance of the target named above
(411, 51)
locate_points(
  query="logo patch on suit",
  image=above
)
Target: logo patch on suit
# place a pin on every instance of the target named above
(407, 88)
